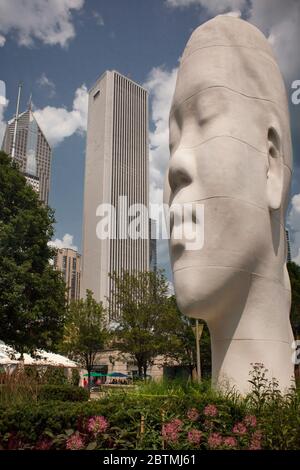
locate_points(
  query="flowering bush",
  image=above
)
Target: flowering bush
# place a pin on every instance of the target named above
(75, 442)
(215, 440)
(210, 410)
(170, 431)
(194, 436)
(255, 443)
(239, 429)
(230, 442)
(180, 417)
(193, 414)
(250, 421)
(97, 425)
(214, 430)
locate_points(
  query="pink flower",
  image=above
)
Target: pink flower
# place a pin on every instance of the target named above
(250, 421)
(210, 410)
(97, 425)
(240, 429)
(214, 440)
(43, 444)
(193, 414)
(230, 441)
(171, 430)
(194, 436)
(255, 443)
(75, 442)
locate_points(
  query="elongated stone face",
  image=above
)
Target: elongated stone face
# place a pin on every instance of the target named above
(230, 154)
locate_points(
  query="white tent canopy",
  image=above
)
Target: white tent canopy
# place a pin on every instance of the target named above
(8, 356)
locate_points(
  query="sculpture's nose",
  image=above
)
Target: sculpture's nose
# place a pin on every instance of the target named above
(180, 172)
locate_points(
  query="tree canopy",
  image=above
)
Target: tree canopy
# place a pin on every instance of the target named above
(149, 323)
(32, 294)
(294, 272)
(85, 332)
(139, 300)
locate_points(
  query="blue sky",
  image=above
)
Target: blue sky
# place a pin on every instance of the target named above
(58, 49)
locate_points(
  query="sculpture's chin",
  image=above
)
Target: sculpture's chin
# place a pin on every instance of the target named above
(204, 292)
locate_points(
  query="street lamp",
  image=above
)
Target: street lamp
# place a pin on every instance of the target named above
(198, 333)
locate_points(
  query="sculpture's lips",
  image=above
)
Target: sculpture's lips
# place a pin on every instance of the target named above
(183, 259)
(177, 250)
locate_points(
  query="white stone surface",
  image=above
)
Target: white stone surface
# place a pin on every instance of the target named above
(231, 151)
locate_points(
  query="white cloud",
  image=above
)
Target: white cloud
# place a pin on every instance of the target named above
(99, 18)
(213, 6)
(49, 21)
(280, 22)
(160, 84)
(293, 221)
(66, 242)
(296, 259)
(235, 14)
(44, 81)
(2, 40)
(59, 123)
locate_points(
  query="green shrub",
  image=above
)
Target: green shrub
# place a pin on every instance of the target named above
(62, 393)
(55, 376)
(158, 416)
(75, 377)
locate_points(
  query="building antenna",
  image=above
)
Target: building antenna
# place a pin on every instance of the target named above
(30, 103)
(13, 150)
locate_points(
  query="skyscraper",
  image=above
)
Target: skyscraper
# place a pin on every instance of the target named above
(31, 151)
(116, 173)
(68, 261)
(288, 246)
(152, 245)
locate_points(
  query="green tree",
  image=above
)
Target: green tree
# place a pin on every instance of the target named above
(141, 306)
(294, 272)
(32, 294)
(85, 332)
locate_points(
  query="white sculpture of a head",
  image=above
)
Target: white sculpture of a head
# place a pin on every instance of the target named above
(231, 151)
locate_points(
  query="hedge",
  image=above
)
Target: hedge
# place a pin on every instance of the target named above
(62, 393)
(136, 421)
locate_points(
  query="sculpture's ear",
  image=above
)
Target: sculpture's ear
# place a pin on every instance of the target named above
(275, 170)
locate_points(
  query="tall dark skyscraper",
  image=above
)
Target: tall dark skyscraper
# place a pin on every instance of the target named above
(31, 151)
(288, 245)
(152, 245)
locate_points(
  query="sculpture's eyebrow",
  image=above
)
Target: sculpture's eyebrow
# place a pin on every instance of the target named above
(177, 105)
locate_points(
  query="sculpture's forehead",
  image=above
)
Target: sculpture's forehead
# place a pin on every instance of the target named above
(228, 32)
(243, 70)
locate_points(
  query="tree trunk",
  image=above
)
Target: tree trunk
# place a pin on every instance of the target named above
(191, 367)
(89, 380)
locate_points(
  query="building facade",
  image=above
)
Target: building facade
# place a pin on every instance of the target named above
(152, 246)
(288, 247)
(68, 261)
(116, 174)
(32, 152)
